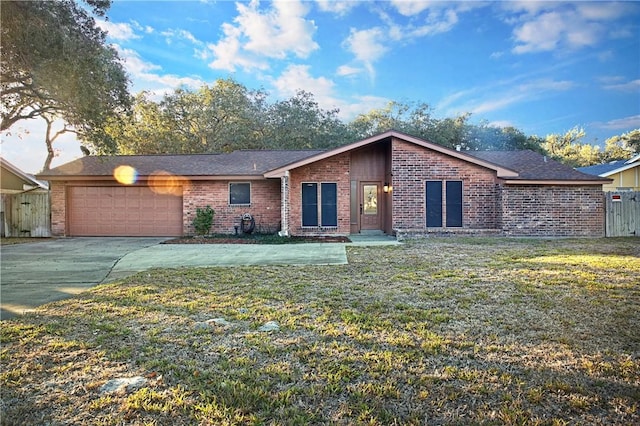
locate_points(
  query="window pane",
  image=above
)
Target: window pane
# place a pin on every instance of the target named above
(370, 199)
(309, 204)
(329, 197)
(434, 204)
(454, 203)
(354, 202)
(239, 193)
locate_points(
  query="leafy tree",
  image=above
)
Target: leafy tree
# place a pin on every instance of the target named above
(416, 119)
(622, 147)
(218, 118)
(144, 131)
(568, 149)
(55, 64)
(485, 137)
(300, 123)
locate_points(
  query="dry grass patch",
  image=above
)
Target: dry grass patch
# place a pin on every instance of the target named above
(444, 331)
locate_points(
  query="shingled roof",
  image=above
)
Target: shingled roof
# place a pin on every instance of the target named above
(514, 165)
(531, 165)
(237, 163)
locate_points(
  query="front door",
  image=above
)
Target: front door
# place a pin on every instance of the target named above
(370, 205)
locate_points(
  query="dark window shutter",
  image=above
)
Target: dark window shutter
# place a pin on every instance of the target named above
(434, 203)
(454, 203)
(309, 204)
(329, 197)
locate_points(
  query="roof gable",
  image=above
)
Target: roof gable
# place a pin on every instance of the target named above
(26, 181)
(501, 170)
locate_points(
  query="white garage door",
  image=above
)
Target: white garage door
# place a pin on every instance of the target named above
(122, 211)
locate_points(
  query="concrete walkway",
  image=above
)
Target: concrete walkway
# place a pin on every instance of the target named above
(200, 255)
(33, 274)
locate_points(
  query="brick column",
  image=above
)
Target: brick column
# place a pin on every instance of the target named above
(284, 204)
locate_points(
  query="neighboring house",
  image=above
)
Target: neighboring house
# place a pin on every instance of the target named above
(625, 174)
(24, 203)
(392, 182)
(13, 180)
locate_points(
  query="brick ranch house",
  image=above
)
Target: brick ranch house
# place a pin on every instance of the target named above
(391, 182)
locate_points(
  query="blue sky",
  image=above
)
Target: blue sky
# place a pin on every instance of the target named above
(542, 67)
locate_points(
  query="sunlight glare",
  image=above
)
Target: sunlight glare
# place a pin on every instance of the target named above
(125, 175)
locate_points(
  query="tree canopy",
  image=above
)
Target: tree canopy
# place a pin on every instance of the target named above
(55, 64)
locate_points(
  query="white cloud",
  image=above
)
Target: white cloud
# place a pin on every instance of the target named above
(422, 19)
(630, 86)
(180, 34)
(122, 31)
(147, 28)
(133, 62)
(501, 124)
(347, 70)
(229, 53)
(410, 7)
(367, 46)
(435, 24)
(621, 123)
(297, 77)
(501, 95)
(547, 26)
(256, 36)
(338, 7)
(543, 33)
(147, 76)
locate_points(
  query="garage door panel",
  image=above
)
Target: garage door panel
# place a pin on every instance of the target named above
(123, 211)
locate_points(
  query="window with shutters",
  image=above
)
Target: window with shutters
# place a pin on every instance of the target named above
(443, 203)
(319, 204)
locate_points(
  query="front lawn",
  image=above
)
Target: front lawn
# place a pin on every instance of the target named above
(444, 331)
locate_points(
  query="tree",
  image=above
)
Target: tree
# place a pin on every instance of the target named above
(622, 147)
(219, 118)
(300, 123)
(568, 149)
(55, 64)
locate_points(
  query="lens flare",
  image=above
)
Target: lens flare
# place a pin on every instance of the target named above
(162, 182)
(125, 175)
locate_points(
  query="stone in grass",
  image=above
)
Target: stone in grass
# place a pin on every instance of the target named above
(212, 323)
(269, 326)
(220, 322)
(123, 384)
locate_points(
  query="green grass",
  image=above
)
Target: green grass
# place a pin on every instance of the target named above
(447, 331)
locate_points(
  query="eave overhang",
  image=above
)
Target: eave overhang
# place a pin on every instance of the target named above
(556, 182)
(620, 169)
(159, 176)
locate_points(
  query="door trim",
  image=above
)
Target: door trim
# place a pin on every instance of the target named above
(370, 224)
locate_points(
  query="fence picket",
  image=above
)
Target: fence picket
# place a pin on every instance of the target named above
(622, 214)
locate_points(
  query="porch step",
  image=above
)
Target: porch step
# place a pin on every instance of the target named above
(371, 233)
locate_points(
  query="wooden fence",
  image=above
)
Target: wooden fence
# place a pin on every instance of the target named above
(622, 214)
(27, 214)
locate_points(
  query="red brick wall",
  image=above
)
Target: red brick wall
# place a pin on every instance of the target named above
(413, 165)
(265, 205)
(536, 210)
(334, 169)
(58, 209)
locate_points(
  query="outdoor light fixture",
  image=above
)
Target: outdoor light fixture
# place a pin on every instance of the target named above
(386, 187)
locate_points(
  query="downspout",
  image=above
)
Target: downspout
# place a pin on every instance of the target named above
(284, 205)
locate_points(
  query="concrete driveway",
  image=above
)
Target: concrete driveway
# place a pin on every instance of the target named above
(37, 273)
